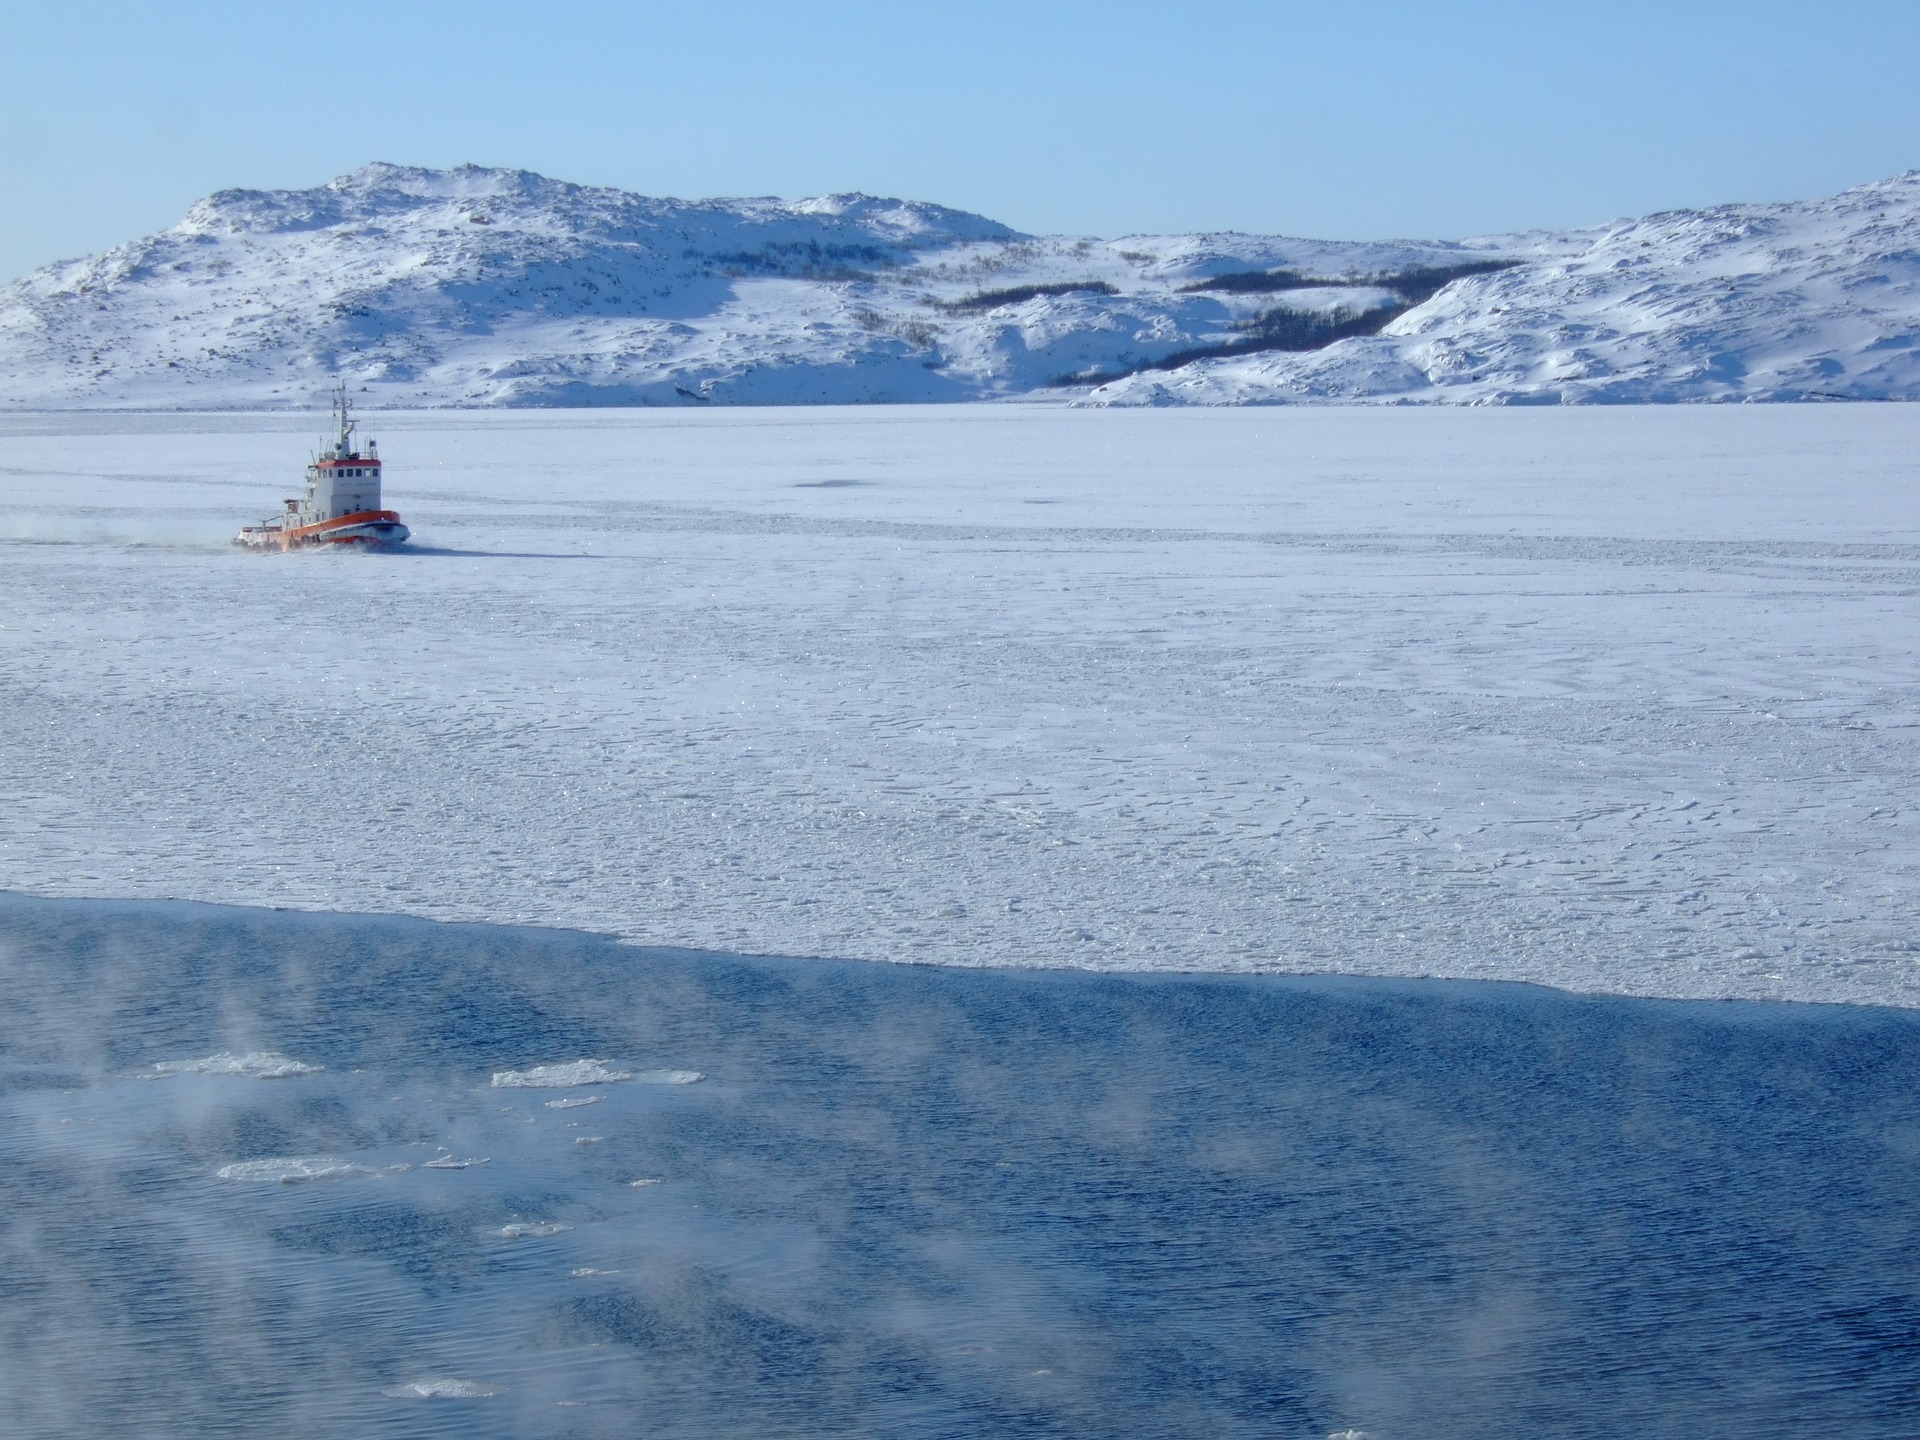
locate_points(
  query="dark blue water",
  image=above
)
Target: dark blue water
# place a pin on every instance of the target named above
(918, 1202)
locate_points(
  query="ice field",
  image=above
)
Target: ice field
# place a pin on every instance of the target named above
(1610, 699)
(346, 1176)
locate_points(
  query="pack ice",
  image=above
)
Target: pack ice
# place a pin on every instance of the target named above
(1614, 698)
(481, 287)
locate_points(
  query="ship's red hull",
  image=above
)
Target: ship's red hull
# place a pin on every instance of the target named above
(368, 527)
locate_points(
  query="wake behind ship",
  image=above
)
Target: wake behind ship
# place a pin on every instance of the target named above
(342, 503)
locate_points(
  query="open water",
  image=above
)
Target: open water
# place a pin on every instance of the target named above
(324, 1175)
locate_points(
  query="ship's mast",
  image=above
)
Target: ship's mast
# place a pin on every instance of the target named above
(342, 450)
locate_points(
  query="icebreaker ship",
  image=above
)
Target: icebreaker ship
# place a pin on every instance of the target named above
(342, 503)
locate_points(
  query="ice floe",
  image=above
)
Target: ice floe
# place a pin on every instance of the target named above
(532, 1229)
(444, 1389)
(291, 1170)
(558, 1077)
(254, 1065)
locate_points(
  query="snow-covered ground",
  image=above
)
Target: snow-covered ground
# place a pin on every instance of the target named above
(1620, 699)
(479, 288)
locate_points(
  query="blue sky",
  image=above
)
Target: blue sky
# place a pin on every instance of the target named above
(1350, 120)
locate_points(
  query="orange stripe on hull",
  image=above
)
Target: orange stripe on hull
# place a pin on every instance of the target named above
(300, 534)
(324, 532)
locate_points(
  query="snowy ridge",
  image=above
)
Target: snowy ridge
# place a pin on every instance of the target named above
(482, 287)
(470, 286)
(1741, 302)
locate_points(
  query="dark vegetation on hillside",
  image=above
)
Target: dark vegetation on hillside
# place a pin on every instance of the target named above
(1279, 329)
(1415, 286)
(993, 299)
(1287, 329)
(800, 260)
(1260, 282)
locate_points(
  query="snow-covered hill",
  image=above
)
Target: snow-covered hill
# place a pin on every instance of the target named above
(1801, 301)
(478, 287)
